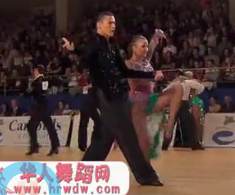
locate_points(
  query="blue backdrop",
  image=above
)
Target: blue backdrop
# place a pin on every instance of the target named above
(75, 102)
(219, 92)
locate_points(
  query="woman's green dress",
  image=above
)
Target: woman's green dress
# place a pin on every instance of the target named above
(198, 102)
(154, 121)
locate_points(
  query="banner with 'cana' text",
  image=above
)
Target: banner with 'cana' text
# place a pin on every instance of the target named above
(13, 131)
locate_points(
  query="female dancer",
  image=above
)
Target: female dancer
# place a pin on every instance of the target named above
(142, 91)
(144, 102)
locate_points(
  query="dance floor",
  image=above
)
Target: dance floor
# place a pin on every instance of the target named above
(209, 172)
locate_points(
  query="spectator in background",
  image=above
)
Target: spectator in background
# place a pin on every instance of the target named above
(211, 74)
(60, 108)
(67, 109)
(214, 107)
(13, 81)
(211, 56)
(5, 110)
(170, 48)
(198, 73)
(83, 81)
(185, 53)
(228, 106)
(228, 74)
(72, 76)
(54, 67)
(16, 110)
(196, 56)
(225, 44)
(211, 37)
(225, 57)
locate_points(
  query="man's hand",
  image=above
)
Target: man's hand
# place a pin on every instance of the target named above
(68, 45)
(159, 76)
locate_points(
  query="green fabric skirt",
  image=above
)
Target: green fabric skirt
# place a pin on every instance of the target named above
(154, 124)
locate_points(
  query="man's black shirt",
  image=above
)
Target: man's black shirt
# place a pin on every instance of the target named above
(107, 69)
(39, 88)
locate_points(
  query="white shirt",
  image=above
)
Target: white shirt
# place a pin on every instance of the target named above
(187, 86)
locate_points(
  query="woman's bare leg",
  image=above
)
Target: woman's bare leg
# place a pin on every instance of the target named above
(171, 98)
(174, 107)
(140, 124)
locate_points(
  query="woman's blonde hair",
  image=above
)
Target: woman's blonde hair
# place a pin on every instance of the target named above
(130, 46)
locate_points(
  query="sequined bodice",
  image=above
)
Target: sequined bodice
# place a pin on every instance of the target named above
(144, 66)
(142, 85)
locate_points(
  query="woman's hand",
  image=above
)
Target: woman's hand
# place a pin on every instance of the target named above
(159, 35)
(159, 76)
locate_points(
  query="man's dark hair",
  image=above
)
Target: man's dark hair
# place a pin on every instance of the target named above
(40, 69)
(103, 14)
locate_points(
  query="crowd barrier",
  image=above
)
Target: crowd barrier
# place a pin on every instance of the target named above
(219, 130)
(13, 131)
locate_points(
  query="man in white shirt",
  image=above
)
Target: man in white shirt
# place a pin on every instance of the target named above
(184, 117)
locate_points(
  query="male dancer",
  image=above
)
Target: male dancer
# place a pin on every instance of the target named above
(39, 113)
(109, 74)
(185, 117)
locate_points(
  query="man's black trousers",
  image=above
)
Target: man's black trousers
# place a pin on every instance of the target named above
(39, 114)
(187, 127)
(89, 110)
(117, 125)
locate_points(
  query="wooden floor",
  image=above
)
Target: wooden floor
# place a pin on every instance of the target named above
(210, 172)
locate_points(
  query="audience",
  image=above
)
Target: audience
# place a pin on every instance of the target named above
(228, 106)
(5, 110)
(60, 109)
(214, 107)
(197, 38)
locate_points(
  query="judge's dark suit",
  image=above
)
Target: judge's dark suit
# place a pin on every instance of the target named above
(39, 113)
(89, 110)
(17, 112)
